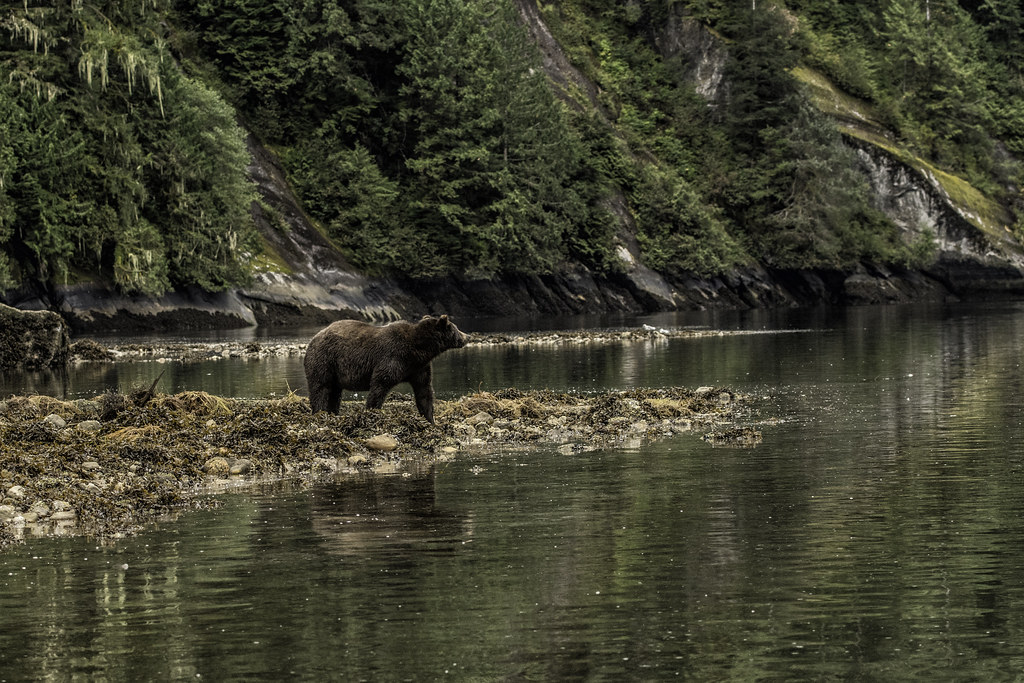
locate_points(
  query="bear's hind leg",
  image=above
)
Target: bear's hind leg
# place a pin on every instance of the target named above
(378, 392)
(334, 401)
(319, 397)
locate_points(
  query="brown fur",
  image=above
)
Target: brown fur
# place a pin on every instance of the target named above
(357, 356)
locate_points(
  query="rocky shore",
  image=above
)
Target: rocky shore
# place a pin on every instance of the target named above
(108, 465)
(88, 350)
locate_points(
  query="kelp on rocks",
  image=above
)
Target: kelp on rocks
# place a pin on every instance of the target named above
(106, 465)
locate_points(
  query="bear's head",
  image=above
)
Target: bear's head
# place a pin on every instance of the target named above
(445, 332)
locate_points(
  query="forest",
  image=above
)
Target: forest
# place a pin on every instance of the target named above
(424, 138)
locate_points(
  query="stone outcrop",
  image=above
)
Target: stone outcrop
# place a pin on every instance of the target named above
(32, 339)
(971, 256)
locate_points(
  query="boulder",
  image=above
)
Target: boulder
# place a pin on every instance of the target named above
(32, 339)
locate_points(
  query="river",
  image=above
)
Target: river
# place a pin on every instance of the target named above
(877, 533)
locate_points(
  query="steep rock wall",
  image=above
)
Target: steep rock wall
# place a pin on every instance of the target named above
(968, 260)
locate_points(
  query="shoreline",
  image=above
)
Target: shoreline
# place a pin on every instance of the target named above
(88, 350)
(107, 466)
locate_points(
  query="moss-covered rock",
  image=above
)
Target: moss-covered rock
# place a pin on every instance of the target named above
(32, 339)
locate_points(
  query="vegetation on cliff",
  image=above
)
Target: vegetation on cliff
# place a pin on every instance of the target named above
(426, 138)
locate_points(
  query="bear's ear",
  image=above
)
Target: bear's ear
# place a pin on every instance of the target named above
(443, 319)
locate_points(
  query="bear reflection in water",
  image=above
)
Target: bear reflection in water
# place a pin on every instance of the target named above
(378, 512)
(358, 356)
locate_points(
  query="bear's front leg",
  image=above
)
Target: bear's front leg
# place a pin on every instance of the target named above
(423, 390)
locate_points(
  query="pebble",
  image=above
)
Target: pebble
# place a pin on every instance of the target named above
(480, 418)
(55, 421)
(64, 516)
(7, 512)
(218, 465)
(87, 406)
(90, 465)
(240, 466)
(381, 442)
(324, 466)
(17, 492)
(90, 426)
(358, 460)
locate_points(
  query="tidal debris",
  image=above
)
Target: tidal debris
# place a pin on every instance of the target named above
(107, 465)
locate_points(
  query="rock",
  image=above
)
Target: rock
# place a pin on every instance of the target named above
(90, 465)
(324, 466)
(17, 492)
(217, 466)
(89, 426)
(381, 442)
(89, 349)
(87, 406)
(7, 513)
(240, 466)
(64, 516)
(30, 517)
(32, 339)
(358, 460)
(55, 421)
(464, 431)
(479, 419)
(734, 436)
(39, 509)
(61, 506)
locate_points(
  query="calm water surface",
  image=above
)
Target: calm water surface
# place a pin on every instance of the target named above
(876, 534)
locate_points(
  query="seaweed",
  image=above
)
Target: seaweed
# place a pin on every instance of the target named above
(115, 461)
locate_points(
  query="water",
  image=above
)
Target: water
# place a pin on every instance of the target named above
(876, 534)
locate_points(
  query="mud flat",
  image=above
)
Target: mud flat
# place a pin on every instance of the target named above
(108, 465)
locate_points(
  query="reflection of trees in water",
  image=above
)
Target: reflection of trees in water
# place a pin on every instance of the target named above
(231, 377)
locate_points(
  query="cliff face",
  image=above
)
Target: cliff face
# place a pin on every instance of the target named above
(970, 256)
(308, 280)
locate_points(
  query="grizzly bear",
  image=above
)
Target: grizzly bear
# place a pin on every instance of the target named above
(357, 356)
